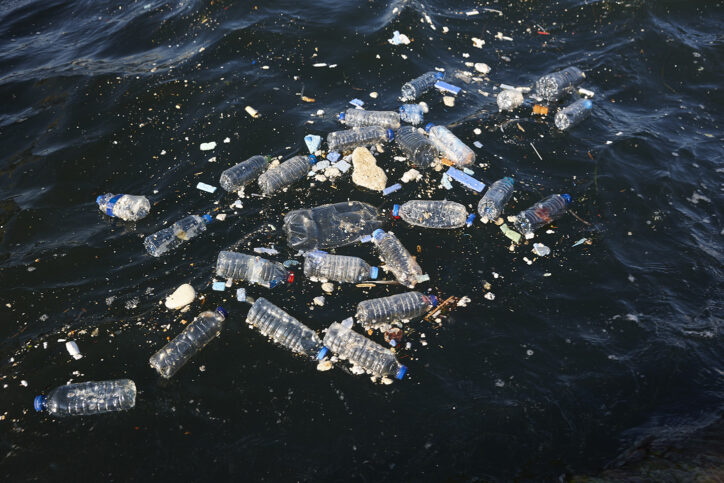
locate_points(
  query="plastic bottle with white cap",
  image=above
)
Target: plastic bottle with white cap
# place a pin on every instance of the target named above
(87, 398)
(338, 268)
(169, 238)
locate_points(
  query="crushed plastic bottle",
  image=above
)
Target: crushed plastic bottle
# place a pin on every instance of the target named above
(412, 113)
(282, 328)
(572, 114)
(541, 214)
(252, 269)
(491, 205)
(169, 238)
(191, 340)
(362, 136)
(403, 306)
(433, 214)
(553, 87)
(361, 118)
(418, 86)
(238, 176)
(87, 398)
(416, 146)
(509, 99)
(330, 226)
(125, 207)
(361, 351)
(452, 148)
(396, 257)
(285, 174)
(338, 268)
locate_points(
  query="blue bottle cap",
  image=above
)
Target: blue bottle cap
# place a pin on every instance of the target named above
(401, 373)
(322, 353)
(374, 273)
(509, 179)
(568, 198)
(342, 115)
(469, 220)
(207, 218)
(395, 210)
(378, 233)
(429, 126)
(39, 403)
(390, 134)
(588, 104)
(312, 159)
(222, 311)
(433, 300)
(439, 75)
(98, 200)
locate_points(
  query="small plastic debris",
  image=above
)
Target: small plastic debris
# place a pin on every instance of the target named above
(324, 365)
(580, 242)
(252, 112)
(328, 287)
(540, 110)
(445, 182)
(308, 99)
(319, 301)
(206, 187)
(477, 144)
(237, 204)
(208, 146)
(342, 165)
(73, 350)
(227, 140)
(489, 296)
(478, 43)
(218, 286)
(585, 92)
(541, 250)
(449, 101)
(391, 189)
(333, 156)
(181, 297)
(465, 180)
(320, 64)
(445, 87)
(221, 216)
(241, 294)
(290, 263)
(357, 102)
(313, 142)
(411, 175)
(482, 67)
(268, 251)
(393, 336)
(423, 278)
(399, 39)
(512, 234)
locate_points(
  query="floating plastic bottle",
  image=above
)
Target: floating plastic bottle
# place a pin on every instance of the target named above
(416, 146)
(361, 136)
(491, 205)
(282, 328)
(238, 176)
(433, 214)
(362, 118)
(452, 148)
(542, 213)
(86, 398)
(552, 87)
(125, 207)
(338, 268)
(169, 238)
(402, 306)
(252, 269)
(361, 351)
(571, 115)
(412, 113)
(191, 340)
(285, 174)
(396, 257)
(418, 86)
(330, 226)
(509, 99)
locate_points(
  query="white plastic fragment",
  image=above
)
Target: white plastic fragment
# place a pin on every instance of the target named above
(477, 144)
(313, 142)
(489, 296)
(181, 297)
(73, 350)
(399, 39)
(423, 278)
(541, 250)
(411, 175)
(580, 242)
(252, 112)
(373, 95)
(221, 216)
(445, 182)
(206, 187)
(319, 301)
(267, 251)
(208, 146)
(585, 92)
(478, 43)
(320, 64)
(227, 140)
(449, 101)
(470, 13)
(241, 294)
(482, 67)
(328, 287)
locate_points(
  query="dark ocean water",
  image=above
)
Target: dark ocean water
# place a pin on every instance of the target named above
(560, 375)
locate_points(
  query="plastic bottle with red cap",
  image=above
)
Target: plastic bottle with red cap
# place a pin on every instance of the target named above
(542, 213)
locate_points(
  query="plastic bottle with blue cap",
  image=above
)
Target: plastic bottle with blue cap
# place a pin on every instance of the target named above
(362, 136)
(450, 145)
(252, 269)
(573, 114)
(169, 238)
(375, 313)
(553, 87)
(418, 86)
(338, 268)
(362, 118)
(285, 174)
(492, 203)
(204, 328)
(239, 175)
(125, 207)
(440, 214)
(361, 352)
(541, 214)
(397, 258)
(88, 398)
(273, 322)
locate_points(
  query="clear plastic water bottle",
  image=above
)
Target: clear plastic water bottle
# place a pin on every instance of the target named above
(396, 257)
(191, 340)
(403, 306)
(169, 238)
(418, 86)
(362, 118)
(252, 269)
(541, 214)
(452, 148)
(330, 226)
(413, 113)
(361, 351)
(338, 268)
(571, 115)
(238, 176)
(433, 214)
(417, 147)
(552, 87)
(491, 205)
(125, 207)
(362, 136)
(509, 99)
(285, 174)
(86, 398)
(282, 328)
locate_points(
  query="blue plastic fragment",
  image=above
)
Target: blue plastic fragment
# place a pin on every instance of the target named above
(465, 180)
(357, 102)
(333, 156)
(313, 142)
(391, 189)
(445, 87)
(218, 286)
